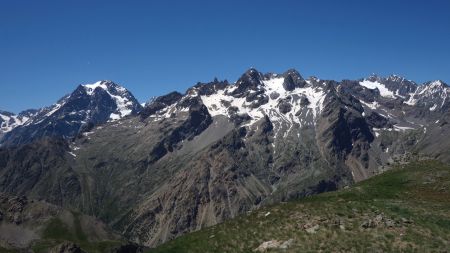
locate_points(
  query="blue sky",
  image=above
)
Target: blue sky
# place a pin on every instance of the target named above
(47, 48)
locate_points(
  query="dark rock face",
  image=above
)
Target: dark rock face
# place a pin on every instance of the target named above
(292, 80)
(400, 85)
(199, 119)
(376, 120)
(274, 95)
(250, 80)
(169, 99)
(353, 87)
(284, 106)
(343, 129)
(258, 101)
(209, 88)
(238, 119)
(160, 103)
(325, 186)
(304, 101)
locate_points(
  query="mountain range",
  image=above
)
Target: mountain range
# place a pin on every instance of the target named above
(185, 161)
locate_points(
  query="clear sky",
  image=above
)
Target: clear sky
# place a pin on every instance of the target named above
(152, 47)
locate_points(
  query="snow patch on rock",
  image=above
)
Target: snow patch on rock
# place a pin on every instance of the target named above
(384, 92)
(315, 96)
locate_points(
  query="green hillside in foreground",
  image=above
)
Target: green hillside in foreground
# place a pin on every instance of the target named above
(406, 209)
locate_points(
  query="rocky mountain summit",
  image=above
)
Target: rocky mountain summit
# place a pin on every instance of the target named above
(194, 159)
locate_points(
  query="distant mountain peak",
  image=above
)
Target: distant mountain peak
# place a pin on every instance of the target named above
(94, 104)
(125, 102)
(293, 72)
(292, 80)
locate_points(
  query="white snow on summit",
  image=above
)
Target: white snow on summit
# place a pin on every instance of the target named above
(91, 87)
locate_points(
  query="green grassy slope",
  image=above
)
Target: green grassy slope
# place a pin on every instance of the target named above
(406, 209)
(57, 232)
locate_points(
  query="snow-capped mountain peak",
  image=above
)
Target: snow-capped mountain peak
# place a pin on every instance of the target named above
(88, 104)
(123, 99)
(285, 99)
